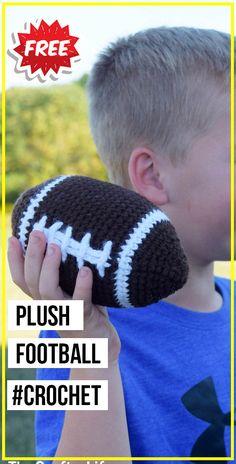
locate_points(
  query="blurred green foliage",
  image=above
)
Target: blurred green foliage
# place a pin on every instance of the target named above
(19, 424)
(47, 134)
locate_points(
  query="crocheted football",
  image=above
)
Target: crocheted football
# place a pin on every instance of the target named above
(130, 245)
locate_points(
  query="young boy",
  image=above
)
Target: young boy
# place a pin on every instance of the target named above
(159, 112)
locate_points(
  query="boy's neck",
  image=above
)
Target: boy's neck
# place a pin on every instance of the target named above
(199, 293)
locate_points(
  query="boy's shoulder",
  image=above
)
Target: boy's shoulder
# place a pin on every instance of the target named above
(141, 325)
(223, 285)
(132, 320)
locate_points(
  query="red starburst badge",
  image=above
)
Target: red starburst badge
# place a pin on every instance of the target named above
(46, 51)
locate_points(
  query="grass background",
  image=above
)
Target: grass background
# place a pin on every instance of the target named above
(20, 440)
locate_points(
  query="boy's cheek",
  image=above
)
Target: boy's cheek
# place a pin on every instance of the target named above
(219, 235)
(208, 230)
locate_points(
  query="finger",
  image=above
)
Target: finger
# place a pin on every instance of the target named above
(103, 310)
(16, 264)
(83, 289)
(49, 288)
(33, 262)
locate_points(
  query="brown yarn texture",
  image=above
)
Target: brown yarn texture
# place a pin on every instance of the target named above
(109, 212)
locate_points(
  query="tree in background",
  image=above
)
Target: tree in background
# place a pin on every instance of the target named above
(47, 134)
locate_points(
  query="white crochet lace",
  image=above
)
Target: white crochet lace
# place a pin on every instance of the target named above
(82, 250)
(127, 252)
(34, 203)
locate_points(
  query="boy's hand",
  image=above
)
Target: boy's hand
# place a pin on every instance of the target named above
(37, 274)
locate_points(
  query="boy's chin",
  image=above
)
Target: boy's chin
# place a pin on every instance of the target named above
(225, 252)
(225, 256)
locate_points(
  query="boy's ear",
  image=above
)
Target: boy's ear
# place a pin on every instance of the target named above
(146, 173)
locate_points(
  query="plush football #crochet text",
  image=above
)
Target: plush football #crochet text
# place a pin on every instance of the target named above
(130, 245)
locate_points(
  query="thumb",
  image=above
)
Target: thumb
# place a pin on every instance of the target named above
(83, 288)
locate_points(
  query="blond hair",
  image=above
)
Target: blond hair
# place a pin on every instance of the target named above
(157, 88)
